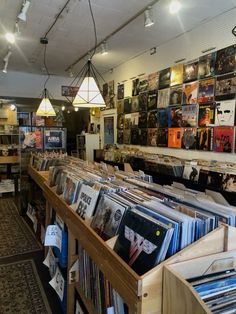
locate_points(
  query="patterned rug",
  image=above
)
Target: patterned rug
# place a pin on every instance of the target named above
(15, 235)
(21, 291)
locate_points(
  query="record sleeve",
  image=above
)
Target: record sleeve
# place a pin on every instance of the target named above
(176, 76)
(164, 78)
(191, 172)
(120, 136)
(120, 121)
(87, 200)
(127, 121)
(176, 94)
(223, 139)
(111, 95)
(206, 90)
(206, 115)
(143, 84)
(162, 137)
(162, 117)
(226, 86)
(175, 116)
(174, 137)
(120, 91)
(189, 115)
(226, 60)
(163, 98)
(189, 138)
(70, 192)
(126, 136)
(134, 119)
(152, 101)
(206, 66)
(135, 104)
(105, 93)
(153, 81)
(152, 119)
(142, 122)
(225, 113)
(120, 106)
(143, 100)
(215, 179)
(135, 136)
(152, 137)
(143, 137)
(204, 139)
(190, 92)
(127, 105)
(229, 182)
(135, 87)
(190, 71)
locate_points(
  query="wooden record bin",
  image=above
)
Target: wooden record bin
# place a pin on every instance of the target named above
(142, 294)
(178, 295)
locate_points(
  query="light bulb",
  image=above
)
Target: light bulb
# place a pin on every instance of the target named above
(10, 37)
(76, 109)
(174, 7)
(13, 107)
(63, 108)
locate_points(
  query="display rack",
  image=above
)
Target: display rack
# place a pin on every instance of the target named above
(85, 145)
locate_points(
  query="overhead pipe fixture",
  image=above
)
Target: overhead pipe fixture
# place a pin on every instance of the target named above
(6, 60)
(104, 48)
(25, 6)
(148, 17)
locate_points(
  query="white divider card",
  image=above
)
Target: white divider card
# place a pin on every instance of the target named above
(31, 212)
(42, 236)
(53, 236)
(58, 283)
(110, 310)
(59, 222)
(78, 309)
(74, 272)
(51, 262)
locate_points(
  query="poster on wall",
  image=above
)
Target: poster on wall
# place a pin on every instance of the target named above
(109, 130)
(54, 139)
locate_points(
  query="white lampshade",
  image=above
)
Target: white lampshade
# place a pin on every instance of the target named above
(89, 95)
(22, 16)
(45, 108)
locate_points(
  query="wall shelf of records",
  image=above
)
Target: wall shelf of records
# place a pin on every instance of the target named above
(189, 106)
(107, 212)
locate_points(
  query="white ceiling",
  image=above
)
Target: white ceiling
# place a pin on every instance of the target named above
(73, 36)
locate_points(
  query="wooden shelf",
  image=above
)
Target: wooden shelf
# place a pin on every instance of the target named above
(9, 159)
(38, 176)
(86, 302)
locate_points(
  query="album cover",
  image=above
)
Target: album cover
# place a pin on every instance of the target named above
(176, 76)
(135, 87)
(215, 179)
(190, 71)
(163, 98)
(87, 200)
(120, 121)
(191, 172)
(127, 105)
(127, 121)
(189, 138)
(162, 137)
(204, 139)
(111, 95)
(143, 84)
(226, 86)
(190, 92)
(152, 137)
(175, 116)
(225, 113)
(152, 101)
(226, 60)
(223, 139)
(135, 104)
(206, 90)
(206, 114)
(143, 137)
(143, 100)
(126, 136)
(70, 192)
(229, 182)
(120, 91)
(206, 66)
(176, 94)
(120, 136)
(134, 119)
(164, 78)
(174, 137)
(153, 81)
(189, 115)
(152, 119)
(142, 122)
(135, 136)
(105, 93)
(120, 106)
(162, 118)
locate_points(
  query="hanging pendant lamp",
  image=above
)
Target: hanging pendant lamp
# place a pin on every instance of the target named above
(45, 108)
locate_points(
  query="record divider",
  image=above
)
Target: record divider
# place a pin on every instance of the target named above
(142, 294)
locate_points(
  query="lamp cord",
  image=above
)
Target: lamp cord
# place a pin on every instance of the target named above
(45, 65)
(95, 30)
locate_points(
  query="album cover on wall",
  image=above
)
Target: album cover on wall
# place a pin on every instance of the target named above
(189, 138)
(223, 139)
(164, 78)
(111, 95)
(127, 105)
(163, 98)
(226, 86)
(225, 60)
(143, 100)
(191, 172)
(135, 104)
(105, 93)
(135, 136)
(152, 137)
(135, 87)
(229, 182)
(120, 136)
(143, 84)
(127, 136)
(153, 81)
(176, 94)
(225, 112)
(204, 138)
(134, 119)
(206, 90)
(162, 137)
(143, 137)
(189, 115)
(120, 121)
(206, 66)
(142, 121)
(127, 121)
(152, 119)
(120, 91)
(190, 92)
(176, 76)
(190, 71)
(120, 105)
(175, 116)
(174, 137)
(206, 114)
(162, 118)
(152, 101)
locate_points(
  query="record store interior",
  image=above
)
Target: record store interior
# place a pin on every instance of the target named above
(117, 157)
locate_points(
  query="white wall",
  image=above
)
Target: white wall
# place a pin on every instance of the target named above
(216, 33)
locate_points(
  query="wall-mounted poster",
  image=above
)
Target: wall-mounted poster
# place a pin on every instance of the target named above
(54, 139)
(108, 130)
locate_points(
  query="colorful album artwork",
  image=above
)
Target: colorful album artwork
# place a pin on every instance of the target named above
(152, 119)
(127, 105)
(162, 118)
(162, 137)
(143, 101)
(189, 115)
(152, 137)
(226, 86)
(174, 137)
(120, 91)
(135, 104)
(164, 78)
(127, 121)
(176, 94)
(163, 98)
(189, 138)
(226, 60)
(120, 105)
(190, 92)
(152, 101)
(153, 81)
(175, 117)
(206, 66)
(225, 113)
(204, 139)
(223, 139)
(134, 119)
(176, 76)
(190, 71)
(135, 87)
(143, 84)
(206, 90)
(206, 114)
(142, 122)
